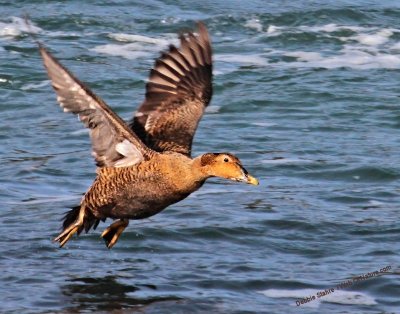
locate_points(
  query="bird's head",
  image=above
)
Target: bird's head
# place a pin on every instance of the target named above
(225, 165)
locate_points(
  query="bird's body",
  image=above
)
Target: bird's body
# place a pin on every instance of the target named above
(145, 166)
(124, 192)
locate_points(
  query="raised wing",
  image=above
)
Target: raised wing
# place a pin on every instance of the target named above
(179, 89)
(113, 143)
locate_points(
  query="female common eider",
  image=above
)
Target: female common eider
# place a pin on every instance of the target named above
(146, 166)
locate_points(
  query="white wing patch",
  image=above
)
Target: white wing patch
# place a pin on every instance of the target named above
(139, 114)
(132, 155)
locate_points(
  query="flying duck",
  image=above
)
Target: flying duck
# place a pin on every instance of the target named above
(146, 165)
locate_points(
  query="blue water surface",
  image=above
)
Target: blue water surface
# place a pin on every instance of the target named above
(306, 93)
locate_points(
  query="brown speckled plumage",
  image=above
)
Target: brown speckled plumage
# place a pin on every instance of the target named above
(146, 166)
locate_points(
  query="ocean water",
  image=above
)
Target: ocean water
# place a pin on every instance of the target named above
(307, 94)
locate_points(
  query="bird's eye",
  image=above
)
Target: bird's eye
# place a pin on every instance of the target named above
(226, 159)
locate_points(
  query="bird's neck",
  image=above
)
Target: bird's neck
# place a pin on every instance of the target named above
(199, 171)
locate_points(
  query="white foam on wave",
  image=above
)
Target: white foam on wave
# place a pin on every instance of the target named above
(375, 203)
(395, 47)
(31, 86)
(129, 51)
(363, 48)
(137, 46)
(248, 59)
(161, 42)
(287, 161)
(254, 24)
(331, 28)
(338, 297)
(304, 55)
(375, 39)
(274, 30)
(349, 57)
(68, 34)
(16, 27)
(264, 124)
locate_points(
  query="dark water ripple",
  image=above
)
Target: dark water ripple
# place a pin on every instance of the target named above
(306, 94)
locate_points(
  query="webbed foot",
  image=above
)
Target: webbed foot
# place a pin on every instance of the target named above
(112, 233)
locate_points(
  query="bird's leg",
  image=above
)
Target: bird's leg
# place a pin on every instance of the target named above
(112, 233)
(69, 231)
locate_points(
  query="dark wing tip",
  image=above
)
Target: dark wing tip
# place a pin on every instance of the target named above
(188, 65)
(202, 31)
(45, 54)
